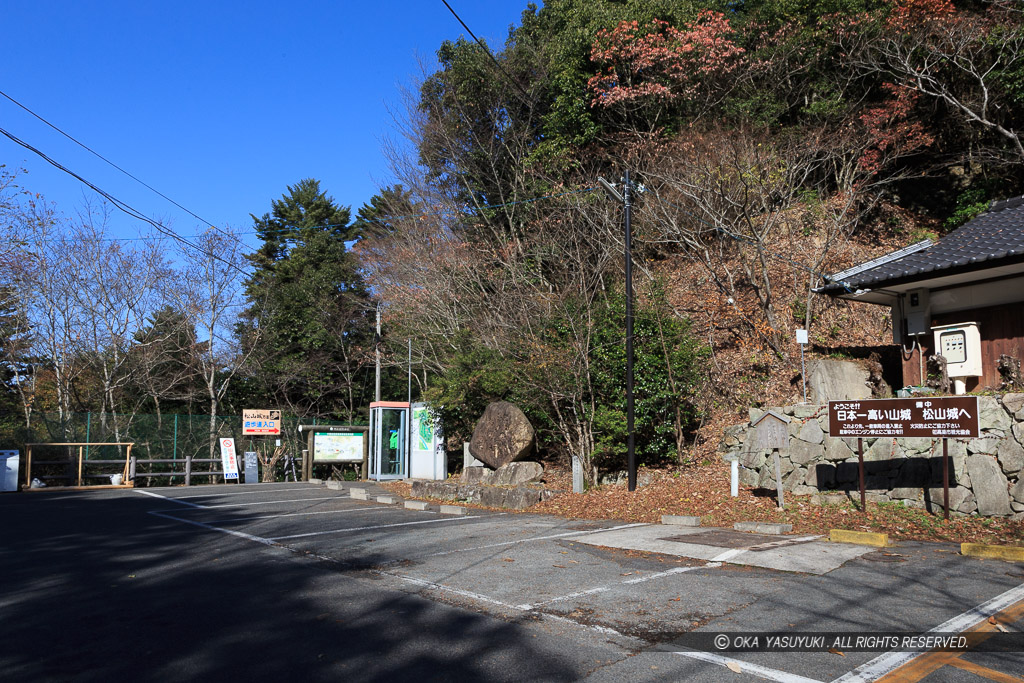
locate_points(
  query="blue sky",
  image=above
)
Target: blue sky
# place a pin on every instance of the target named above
(219, 106)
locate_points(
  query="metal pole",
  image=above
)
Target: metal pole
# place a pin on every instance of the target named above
(860, 468)
(174, 453)
(408, 418)
(376, 343)
(945, 478)
(803, 373)
(627, 195)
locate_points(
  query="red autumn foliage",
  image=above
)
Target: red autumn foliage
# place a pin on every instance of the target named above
(660, 62)
(892, 131)
(909, 13)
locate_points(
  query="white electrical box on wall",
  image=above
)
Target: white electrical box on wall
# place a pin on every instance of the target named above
(960, 345)
(917, 311)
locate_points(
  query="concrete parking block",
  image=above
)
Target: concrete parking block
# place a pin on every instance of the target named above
(763, 527)
(358, 494)
(416, 505)
(859, 537)
(453, 510)
(681, 520)
(316, 481)
(993, 552)
(334, 485)
(388, 500)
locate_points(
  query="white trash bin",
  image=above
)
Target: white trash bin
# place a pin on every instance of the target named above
(9, 470)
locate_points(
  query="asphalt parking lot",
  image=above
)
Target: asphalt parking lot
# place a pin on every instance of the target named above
(276, 580)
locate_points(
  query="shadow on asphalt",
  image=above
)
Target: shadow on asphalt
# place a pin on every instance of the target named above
(94, 588)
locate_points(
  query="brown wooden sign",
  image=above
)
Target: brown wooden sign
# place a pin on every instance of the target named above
(928, 417)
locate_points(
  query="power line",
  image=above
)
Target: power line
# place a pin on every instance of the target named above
(122, 206)
(483, 45)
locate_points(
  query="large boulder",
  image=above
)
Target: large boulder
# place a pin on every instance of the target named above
(516, 473)
(837, 380)
(502, 435)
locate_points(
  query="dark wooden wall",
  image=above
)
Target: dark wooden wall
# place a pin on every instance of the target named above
(1002, 332)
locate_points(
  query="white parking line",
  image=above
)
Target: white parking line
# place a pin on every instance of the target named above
(535, 538)
(883, 664)
(748, 668)
(728, 555)
(229, 532)
(262, 502)
(307, 514)
(248, 492)
(608, 587)
(376, 526)
(180, 502)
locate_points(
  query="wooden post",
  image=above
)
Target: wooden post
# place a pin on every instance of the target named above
(860, 468)
(945, 479)
(129, 467)
(79, 466)
(28, 466)
(188, 470)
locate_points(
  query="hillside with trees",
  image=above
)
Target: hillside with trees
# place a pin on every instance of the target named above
(772, 143)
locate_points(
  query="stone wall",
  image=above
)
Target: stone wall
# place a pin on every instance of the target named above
(985, 475)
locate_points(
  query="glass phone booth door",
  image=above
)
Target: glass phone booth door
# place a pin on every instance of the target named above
(389, 440)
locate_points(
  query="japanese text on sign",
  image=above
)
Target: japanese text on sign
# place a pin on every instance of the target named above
(938, 417)
(261, 422)
(228, 458)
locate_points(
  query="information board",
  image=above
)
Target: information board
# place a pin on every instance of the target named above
(252, 468)
(338, 446)
(228, 458)
(935, 417)
(261, 422)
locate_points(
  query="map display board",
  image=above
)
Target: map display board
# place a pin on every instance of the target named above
(338, 446)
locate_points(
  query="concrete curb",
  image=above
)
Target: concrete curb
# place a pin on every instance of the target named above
(859, 538)
(680, 520)
(993, 552)
(763, 527)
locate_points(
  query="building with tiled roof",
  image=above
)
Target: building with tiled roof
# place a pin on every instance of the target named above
(973, 275)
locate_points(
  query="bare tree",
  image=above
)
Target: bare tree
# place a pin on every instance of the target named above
(964, 59)
(208, 293)
(120, 284)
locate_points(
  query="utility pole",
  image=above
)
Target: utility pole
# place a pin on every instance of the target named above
(376, 344)
(626, 199)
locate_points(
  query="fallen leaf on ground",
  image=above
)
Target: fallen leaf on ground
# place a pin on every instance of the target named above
(734, 667)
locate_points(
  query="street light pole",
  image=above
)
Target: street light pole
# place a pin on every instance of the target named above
(626, 199)
(376, 344)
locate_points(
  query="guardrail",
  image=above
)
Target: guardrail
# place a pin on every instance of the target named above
(188, 473)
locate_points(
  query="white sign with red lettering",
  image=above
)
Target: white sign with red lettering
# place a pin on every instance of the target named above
(229, 458)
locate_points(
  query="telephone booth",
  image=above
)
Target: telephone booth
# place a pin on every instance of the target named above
(389, 440)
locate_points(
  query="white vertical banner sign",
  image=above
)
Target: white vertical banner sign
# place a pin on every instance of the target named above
(229, 459)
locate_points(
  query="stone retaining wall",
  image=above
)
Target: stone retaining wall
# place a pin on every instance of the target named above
(985, 476)
(516, 497)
